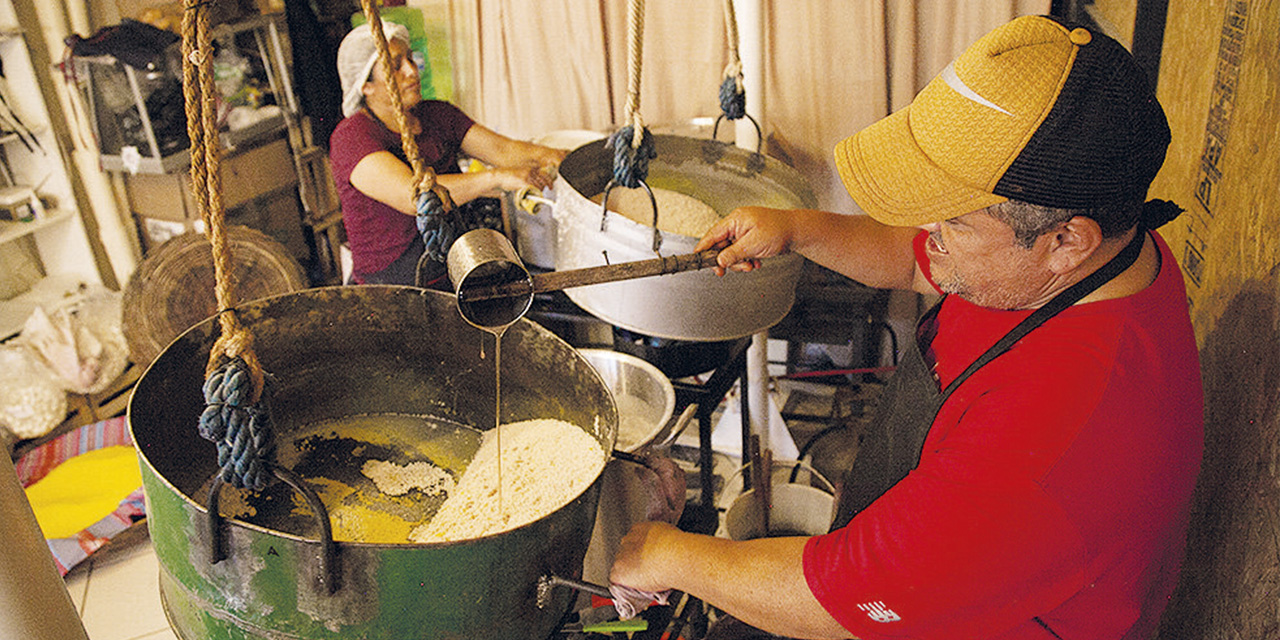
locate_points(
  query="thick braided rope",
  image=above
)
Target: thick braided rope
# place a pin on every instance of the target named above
(430, 198)
(241, 450)
(191, 56)
(733, 96)
(242, 429)
(635, 56)
(632, 145)
(407, 141)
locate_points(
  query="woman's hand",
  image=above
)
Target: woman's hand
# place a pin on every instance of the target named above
(517, 178)
(547, 158)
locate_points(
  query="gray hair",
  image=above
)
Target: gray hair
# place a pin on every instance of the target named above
(1030, 221)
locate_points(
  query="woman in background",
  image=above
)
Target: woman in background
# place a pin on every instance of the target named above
(375, 180)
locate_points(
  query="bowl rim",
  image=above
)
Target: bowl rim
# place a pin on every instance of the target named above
(668, 390)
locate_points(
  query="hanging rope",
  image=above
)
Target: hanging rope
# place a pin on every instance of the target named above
(733, 93)
(733, 97)
(430, 198)
(234, 417)
(632, 145)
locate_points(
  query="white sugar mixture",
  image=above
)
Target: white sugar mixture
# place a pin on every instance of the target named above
(396, 480)
(545, 464)
(677, 212)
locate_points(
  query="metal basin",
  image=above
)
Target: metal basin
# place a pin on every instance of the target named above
(644, 396)
(351, 351)
(694, 305)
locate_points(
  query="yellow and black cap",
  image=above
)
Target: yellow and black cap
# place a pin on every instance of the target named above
(1037, 110)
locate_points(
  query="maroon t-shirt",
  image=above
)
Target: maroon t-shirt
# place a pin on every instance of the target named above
(376, 233)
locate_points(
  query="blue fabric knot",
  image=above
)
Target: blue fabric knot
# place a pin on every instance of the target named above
(732, 101)
(437, 229)
(241, 429)
(631, 164)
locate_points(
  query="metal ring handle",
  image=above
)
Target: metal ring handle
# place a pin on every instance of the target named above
(330, 573)
(604, 211)
(759, 134)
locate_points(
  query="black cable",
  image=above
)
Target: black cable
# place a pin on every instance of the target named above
(804, 450)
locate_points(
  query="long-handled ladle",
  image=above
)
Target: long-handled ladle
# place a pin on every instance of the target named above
(494, 288)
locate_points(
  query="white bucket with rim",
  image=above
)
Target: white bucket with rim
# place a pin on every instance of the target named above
(796, 509)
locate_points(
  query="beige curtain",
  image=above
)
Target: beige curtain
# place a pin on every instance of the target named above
(831, 67)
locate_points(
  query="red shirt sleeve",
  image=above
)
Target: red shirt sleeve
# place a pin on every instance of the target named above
(946, 552)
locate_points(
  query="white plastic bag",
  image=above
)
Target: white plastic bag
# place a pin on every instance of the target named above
(81, 343)
(32, 402)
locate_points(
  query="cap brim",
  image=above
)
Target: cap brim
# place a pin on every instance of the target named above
(892, 179)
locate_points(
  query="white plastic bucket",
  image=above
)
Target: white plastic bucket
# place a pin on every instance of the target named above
(796, 509)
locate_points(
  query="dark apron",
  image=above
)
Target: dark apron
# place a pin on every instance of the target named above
(891, 447)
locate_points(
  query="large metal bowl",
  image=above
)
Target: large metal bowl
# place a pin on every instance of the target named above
(694, 305)
(644, 396)
(351, 351)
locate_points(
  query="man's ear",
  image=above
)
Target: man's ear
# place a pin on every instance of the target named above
(1072, 244)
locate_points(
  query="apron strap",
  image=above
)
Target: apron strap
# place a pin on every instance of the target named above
(1076, 292)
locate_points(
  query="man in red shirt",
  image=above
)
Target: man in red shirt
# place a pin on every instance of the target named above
(1029, 472)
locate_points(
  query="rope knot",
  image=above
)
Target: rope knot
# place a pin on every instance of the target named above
(437, 227)
(631, 161)
(733, 99)
(239, 426)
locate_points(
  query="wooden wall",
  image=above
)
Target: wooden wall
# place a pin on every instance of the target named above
(1219, 83)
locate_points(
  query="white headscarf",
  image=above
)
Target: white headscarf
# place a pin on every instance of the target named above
(356, 56)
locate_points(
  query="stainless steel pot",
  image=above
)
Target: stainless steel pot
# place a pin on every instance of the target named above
(351, 351)
(686, 306)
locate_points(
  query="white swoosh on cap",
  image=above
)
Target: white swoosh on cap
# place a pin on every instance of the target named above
(949, 76)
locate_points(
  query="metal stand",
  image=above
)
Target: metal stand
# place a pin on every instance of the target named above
(702, 517)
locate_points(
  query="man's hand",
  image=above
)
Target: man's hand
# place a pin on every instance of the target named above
(747, 236)
(637, 563)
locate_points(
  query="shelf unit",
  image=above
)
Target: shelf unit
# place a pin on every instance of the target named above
(119, 99)
(54, 250)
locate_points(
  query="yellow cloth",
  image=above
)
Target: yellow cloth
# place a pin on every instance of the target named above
(84, 490)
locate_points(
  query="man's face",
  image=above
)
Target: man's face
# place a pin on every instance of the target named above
(405, 72)
(976, 257)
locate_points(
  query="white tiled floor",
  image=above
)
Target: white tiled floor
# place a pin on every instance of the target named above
(117, 592)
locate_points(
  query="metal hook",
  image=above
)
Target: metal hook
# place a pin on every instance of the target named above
(653, 202)
(329, 569)
(759, 135)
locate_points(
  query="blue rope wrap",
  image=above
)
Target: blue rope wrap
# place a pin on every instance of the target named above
(438, 231)
(242, 430)
(439, 228)
(631, 164)
(732, 101)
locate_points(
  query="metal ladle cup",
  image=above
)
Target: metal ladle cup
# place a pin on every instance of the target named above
(494, 289)
(484, 258)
